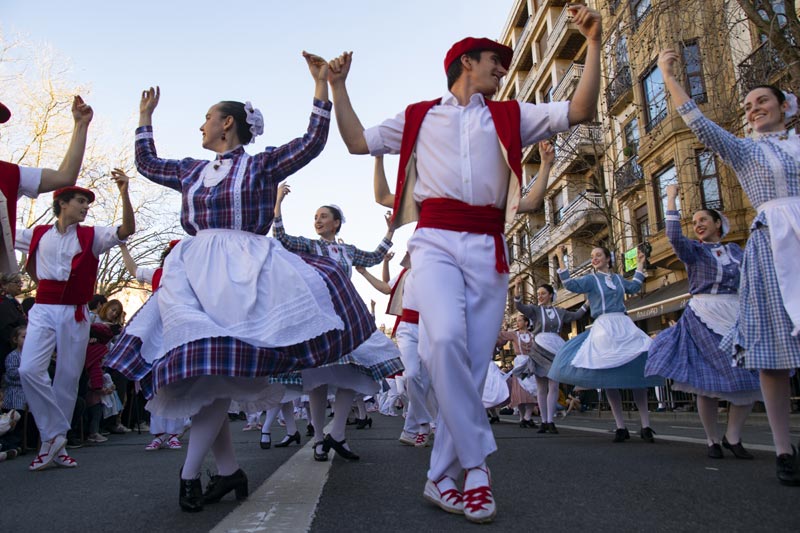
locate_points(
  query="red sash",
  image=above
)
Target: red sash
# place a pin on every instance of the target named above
(157, 278)
(9, 185)
(453, 215)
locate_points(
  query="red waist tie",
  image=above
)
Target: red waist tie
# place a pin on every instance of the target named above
(409, 315)
(53, 292)
(454, 215)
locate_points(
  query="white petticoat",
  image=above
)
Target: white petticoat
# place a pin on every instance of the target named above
(613, 341)
(717, 311)
(227, 283)
(186, 397)
(495, 389)
(552, 342)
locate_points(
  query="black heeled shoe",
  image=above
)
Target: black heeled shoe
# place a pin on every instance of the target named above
(320, 456)
(363, 422)
(265, 445)
(787, 470)
(288, 439)
(737, 449)
(309, 430)
(715, 451)
(494, 419)
(219, 486)
(647, 435)
(338, 447)
(551, 428)
(621, 435)
(543, 427)
(190, 496)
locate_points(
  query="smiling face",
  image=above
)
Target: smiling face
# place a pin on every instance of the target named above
(763, 111)
(521, 323)
(543, 296)
(600, 260)
(13, 287)
(705, 227)
(324, 224)
(486, 73)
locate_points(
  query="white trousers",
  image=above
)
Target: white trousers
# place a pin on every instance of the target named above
(53, 328)
(417, 380)
(461, 297)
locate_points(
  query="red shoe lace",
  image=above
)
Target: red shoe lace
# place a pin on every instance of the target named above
(421, 438)
(455, 494)
(476, 499)
(66, 459)
(38, 459)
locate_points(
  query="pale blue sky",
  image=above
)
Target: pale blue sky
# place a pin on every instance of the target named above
(201, 52)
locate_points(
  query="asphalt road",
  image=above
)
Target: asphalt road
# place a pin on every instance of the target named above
(577, 479)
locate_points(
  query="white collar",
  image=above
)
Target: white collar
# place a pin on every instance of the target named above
(476, 99)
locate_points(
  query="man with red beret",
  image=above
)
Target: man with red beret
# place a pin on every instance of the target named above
(16, 181)
(63, 258)
(460, 176)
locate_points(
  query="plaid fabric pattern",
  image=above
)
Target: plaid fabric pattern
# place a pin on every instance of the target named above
(761, 337)
(214, 207)
(689, 352)
(602, 298)
(14, 397)
(357, 256)
(231, 357)
(701, 261)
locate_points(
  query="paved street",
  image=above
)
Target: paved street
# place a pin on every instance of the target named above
(578, 478)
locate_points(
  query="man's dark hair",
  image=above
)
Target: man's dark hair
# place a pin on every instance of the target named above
(66, 197)
(96, 301)
(455, 68)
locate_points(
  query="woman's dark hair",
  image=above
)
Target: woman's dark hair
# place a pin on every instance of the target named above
(337, 215)
(549, 288)
(527, 320)
(455, 68)
(229, 108)
(776, 91)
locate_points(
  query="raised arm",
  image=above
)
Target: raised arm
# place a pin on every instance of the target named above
(385, 276)
(583, 106)
(128, 226)
(127, 258)
(579, 285)
(368, 259)
(733, 150)
(164, 172)
(291, 243)
(67, 173)
(533, 200)
(382, 286)
(635, 285)
(685, 249)
(350, 127)
(381, 185)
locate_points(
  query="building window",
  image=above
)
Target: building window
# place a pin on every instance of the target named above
(709, 180)
(639, 10)
(524, 247)
(621, 53)
(666, 176)
(655, 101)
(558, 207)
(631, 131)
(512, 244)
(695, 85)
(642, 223)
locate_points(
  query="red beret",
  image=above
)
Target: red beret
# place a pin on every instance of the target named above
(472, 43)
(80, 190)
(5, 114)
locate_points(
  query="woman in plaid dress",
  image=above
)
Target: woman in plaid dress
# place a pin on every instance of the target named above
(233, 307)
(688, 352)
(765, 334)
(361, 371)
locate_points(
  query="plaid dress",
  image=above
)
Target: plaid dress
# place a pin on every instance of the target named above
(689, 352)
(761, 337)
(242, 203)
(547, 319)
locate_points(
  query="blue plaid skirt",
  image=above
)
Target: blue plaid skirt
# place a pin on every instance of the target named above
(762, 336)
(226, 356)
(628, 376)
(689, 354)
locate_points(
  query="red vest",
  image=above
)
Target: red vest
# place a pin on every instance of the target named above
(79, 288)
(157, 278)
(506, 118)
(9, 185)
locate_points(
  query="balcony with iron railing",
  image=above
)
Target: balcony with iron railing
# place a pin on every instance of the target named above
(764, 65)
(522, 42)
(585, 210)
(620, 89)
(540, 242)
(628, 175)
(568, 82)
(565, 40)
(580, 144)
